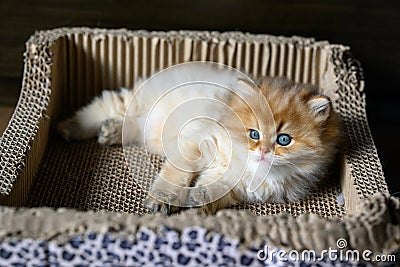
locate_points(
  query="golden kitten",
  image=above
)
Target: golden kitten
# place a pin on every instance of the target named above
(248, 143)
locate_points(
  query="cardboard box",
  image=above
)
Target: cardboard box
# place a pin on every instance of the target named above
(65, 68)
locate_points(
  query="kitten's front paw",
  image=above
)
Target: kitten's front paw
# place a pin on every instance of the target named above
(199, 196)
(155, 205)
(110, 132)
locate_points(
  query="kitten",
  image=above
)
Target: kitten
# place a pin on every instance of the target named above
(251, 143)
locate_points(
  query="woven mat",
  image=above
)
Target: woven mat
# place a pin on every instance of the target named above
(88, 176)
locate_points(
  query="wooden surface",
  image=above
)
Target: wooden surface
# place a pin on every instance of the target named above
(5, 115)
(371, 28)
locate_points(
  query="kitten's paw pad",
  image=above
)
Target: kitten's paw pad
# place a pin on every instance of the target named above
(154, 205)
(110, 132)
(67, 129)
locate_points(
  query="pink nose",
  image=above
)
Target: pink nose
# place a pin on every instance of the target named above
(264, 151)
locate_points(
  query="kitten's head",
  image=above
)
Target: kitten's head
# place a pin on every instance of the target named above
(289, 125)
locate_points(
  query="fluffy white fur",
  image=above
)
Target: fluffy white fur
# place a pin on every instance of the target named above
(191, 123)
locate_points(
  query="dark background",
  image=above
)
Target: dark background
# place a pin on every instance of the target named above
(370, 28)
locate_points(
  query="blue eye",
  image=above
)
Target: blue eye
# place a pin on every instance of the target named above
(284, 139)
(254, 134)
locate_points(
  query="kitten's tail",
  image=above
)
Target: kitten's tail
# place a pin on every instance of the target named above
(105, 113)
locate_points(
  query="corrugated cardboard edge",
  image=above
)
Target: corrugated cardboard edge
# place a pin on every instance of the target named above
(363, 170)
(23, 125)
(375, 226)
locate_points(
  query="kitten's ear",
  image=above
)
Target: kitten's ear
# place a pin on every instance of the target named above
(320, 107)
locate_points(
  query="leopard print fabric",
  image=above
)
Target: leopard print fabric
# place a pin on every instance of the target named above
(193, 247)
